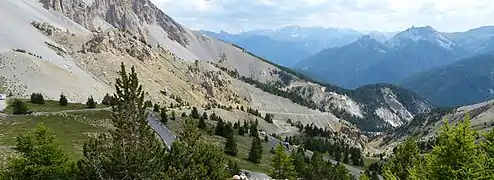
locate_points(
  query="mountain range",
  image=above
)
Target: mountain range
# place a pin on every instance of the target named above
(288, 45)
(74, 47)
(412, 51)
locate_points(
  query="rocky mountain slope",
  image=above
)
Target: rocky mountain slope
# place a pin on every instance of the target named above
(425, 126)
(75, 47)
(412, 51)
(464, 82)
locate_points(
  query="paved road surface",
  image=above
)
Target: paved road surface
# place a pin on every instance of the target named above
(166, 135)
(3, 105)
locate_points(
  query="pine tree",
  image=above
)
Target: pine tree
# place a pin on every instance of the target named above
(173, 116)
(37, 98)
(337, 153)
(63, 100)
(227, 130)
(233, 168)
(194, 113)
(488, 147)
(90, 103)
(108, 100)
(130, 150)
(299, 162)
(192, 158)
(219, 128)
(404, 158)
(253, 130)
(205, 115)
(345, 155)
(19, 107)
(281, 165)
(231, 145)
(455, 156)
(202, 123)
(255, 153)
(163, 116)
(156, 108)
(40, 157)
(241, 131)
(266, 138)
(268, 118)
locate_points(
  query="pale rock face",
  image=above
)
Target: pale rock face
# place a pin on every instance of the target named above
(395, 105)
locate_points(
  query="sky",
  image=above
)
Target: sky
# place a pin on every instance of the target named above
(364, 15)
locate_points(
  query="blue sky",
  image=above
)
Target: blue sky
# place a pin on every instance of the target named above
(364, 15)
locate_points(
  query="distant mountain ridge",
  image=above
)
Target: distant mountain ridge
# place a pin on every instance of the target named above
(412, 51)
(462, 83)
(288, 45)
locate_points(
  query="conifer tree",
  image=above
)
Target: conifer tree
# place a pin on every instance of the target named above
(233, 168)
(163, 116)
(241, 131)
(63, 100)
(40, 157)
(130, 150)
(202, 123)
(404, 158)
(266, 138)
(231, 145)
(194, 113)
(281, 165)
(90, 103)
(156, 108)
(205, 115)
(108, 100)
(455, 156)
(255, 153)
(191, 158)
(219, 128)
(299, 163)
(173, 116)
(253, 130)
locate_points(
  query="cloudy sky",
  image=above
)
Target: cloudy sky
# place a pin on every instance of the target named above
(364, 15)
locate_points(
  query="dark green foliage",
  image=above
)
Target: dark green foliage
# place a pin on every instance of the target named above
(130, 150)
(231, 145)
(255, 153)
(266, 138)
(148, 104)
(63, 100)
(20, 107)
(213, 117)
(40, 157)
(241, 131)
(219, 128)
(108, 100)
(253, 129)
(205, 115)
(37, 98)
(173, 116)
(202, 123)
(461, 80)
(236, 125)
(192, 158)
(403, 158)
(184, 115)
(233, 168)
(156, 108)
(90, 103)
(281, 165)
(163, 116)
(194, 113)
(268, 118)
(227, 130)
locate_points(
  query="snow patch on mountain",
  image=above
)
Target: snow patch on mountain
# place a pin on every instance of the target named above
(422, 34)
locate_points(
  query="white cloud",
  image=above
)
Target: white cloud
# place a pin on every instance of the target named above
(382, 15)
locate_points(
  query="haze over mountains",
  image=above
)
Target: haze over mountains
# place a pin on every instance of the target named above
(358, 58)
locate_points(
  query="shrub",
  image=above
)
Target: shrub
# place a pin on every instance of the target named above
(19, 107)
(37, 98)
(63, 100)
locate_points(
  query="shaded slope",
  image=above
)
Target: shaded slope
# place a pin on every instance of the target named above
(465, 82)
